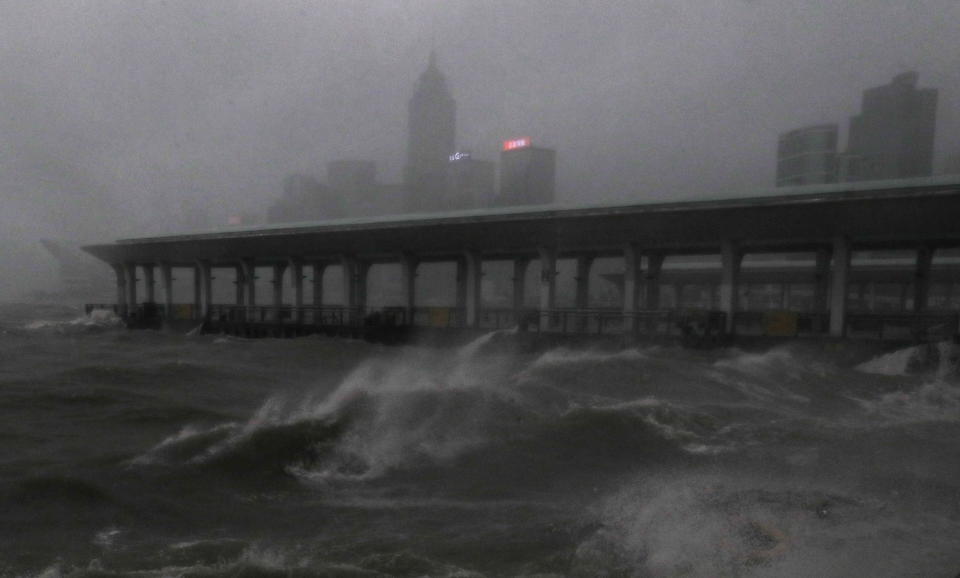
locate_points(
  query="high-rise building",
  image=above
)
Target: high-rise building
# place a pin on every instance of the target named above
(471, 183)
(354, 182)
(304, 199)
(807, 156)
(892, 137)
(527, 174)
(431, 137)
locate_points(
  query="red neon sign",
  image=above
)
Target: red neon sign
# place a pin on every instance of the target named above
(517, 143)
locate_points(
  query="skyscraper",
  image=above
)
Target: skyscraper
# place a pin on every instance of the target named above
(892, 137)
(527, 174)
(431, 138)
(807, 156)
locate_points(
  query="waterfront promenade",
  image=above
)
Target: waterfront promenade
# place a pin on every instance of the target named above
(850, 260)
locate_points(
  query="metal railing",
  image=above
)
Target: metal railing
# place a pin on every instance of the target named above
(930, 326)
(926, 326)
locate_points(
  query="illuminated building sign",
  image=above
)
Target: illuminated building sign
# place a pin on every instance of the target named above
(517, 143)
(459, 156)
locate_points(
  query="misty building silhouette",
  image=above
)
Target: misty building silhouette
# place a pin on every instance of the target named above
(354, 182)
(471, 183)
(431, 138)
(892, 137)
(305, 199)
(527, 174)
(807, 156)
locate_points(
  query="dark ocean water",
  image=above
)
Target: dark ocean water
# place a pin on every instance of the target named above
(149, 454)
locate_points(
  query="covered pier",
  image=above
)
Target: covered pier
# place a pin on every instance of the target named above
(856, 259)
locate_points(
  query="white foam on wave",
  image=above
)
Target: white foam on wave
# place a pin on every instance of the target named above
(420, 403)
(96, 318)
(893, 363)
(764, 377)
(708, 525)
(934, 401)
(562, 357)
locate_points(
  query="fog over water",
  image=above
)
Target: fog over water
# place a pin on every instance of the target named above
(122, 118)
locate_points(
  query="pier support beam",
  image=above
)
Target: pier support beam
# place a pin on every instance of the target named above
(296, 278)
(204, 279)
(121, 275)
(519, 289)
(839, 279)
(408, 271)
(731, 257)
(319, 267)
(821, 287)
(130, 282)
(249, 270)
(148, 284)
(582, 295)
(238, 285)
(166, 280)
(632, 271)
(921, 278)
(277, 281)
(473, 264)
(354, 287)
(651, 281)
(548, 285)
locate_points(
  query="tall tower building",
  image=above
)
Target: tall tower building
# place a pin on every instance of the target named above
(807, 156)
(892, 137)
(431, 138)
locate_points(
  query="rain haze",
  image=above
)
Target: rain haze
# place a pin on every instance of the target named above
(127, 118)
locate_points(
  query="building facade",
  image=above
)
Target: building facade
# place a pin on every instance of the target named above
(893, 136)
(527, 174)
(431, 138)
(807, 156)
(471, 183)
(305, 199)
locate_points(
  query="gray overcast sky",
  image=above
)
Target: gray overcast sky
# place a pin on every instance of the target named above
(117, 116)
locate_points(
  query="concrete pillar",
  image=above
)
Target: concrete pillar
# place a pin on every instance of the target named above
(296, 277)
(349, 266)
(821, 285)
(731, 257)
(839, 278)
(408, 270)
(121, 273)
(197, 293)
(318, 269)
(239, 285)
(651, 281)
(130, 272)
(205, 278)
(354, 287)
(519, 289)
(632, 279)
(148, 284)
(249, 268)
(166, 279)
(582, 297)
(361, 283)
(548, 285)
(277, 281)
(921, 278)
(473, 264)
(461, 297)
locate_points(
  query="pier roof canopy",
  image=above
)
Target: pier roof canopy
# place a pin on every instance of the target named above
(875, 214)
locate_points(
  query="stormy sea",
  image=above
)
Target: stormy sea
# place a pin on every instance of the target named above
(158, 454)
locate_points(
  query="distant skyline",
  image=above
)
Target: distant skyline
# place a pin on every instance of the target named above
(117, 117)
